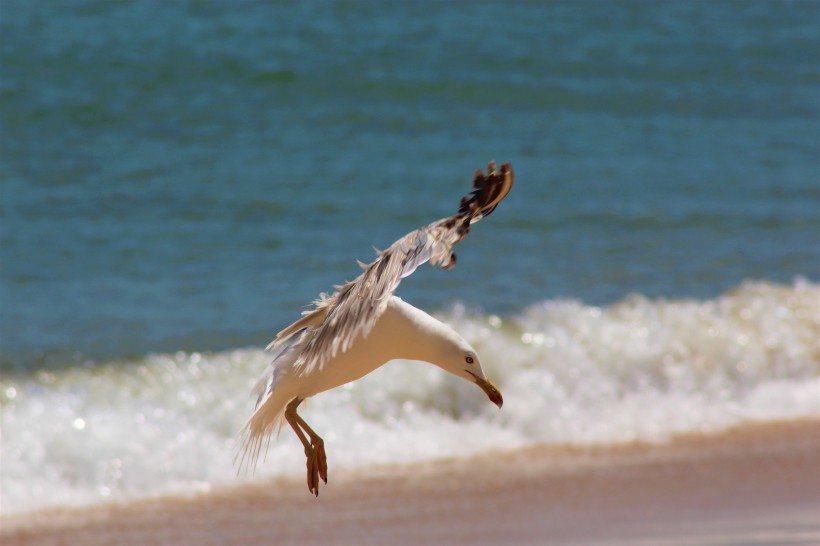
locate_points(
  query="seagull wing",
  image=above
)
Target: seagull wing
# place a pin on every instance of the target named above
(337, 319)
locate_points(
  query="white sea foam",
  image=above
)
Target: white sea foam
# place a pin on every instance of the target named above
(640, 369)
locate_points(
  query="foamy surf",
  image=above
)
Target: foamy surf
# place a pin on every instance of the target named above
(572, 374)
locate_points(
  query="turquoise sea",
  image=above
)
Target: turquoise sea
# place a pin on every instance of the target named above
(179, 179)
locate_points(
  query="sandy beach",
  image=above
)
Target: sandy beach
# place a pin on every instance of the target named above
(754, 485)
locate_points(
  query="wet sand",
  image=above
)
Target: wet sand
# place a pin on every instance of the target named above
(756, 485)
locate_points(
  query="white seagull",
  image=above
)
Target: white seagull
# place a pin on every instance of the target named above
(362, 326)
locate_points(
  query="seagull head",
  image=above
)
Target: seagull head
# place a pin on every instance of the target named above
(461, 360)
(432, 341)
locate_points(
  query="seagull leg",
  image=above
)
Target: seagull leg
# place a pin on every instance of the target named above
(318, 446)
(314, 448)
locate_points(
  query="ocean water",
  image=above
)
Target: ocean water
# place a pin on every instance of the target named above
(179, 179)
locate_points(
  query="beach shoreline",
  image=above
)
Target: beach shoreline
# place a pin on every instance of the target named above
(756, 484)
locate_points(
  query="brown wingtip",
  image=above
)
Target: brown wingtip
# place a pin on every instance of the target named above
(488, 191)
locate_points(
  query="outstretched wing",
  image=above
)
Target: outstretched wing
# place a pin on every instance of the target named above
(337, 319)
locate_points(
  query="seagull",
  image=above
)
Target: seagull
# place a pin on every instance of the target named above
(362, 326)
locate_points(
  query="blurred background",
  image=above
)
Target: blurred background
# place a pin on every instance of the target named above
(190, 174)
(179, 179)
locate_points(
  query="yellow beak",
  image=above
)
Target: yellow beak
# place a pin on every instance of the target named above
(489, 389)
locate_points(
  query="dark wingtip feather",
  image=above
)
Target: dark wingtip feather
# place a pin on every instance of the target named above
(488, 191)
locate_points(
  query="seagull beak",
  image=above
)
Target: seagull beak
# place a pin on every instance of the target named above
(489, 389)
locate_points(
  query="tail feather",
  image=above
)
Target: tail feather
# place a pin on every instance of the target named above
(273, 394)
(257, 431)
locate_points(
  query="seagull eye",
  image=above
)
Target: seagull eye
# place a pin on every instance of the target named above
(469, 360)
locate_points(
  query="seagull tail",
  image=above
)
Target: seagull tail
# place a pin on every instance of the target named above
(257, 431)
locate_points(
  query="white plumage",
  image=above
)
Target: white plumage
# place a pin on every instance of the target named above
(362, 326)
